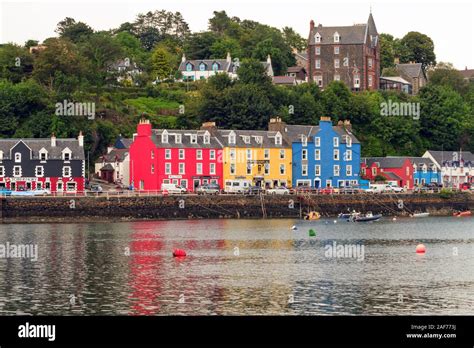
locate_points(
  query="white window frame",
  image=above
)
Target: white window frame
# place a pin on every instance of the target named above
(232, 169)
(304, 154)
(199, 168)
(248, 154)
(266, 153)
(282, 154)
(336, 155)
(181, 154)
(304, 170)
(278, 139)
(182, 168)
(317, 141)
(167, 153)
(199, 154)
(168, 168)
(348, 155)
(212, 154)
(17, 157)
(335, 141)
(2, 171)
(207, 139)
(69, 172)
(318, 50)
(317, 155)
(282, 166)
(336, 170)
(178, 138)
(336, 49)
(317, 63)
(164, 137)
(193, 138)
(232, 138)
(336, 63)
(39, 171)
(349, 170)
(317, 170)
(212, 168)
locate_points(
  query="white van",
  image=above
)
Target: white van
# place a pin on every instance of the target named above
(236, 186)
(376, 188)
(172, 188)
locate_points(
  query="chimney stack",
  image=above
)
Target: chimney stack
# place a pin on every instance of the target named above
(53, 140)
(80, 138)
(210, 127)
(396, 60)
(183, 58)
(228, 58)
(311, 25)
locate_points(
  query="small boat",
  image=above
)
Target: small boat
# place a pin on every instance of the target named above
(312, 215)
(420, 215)
(367, 217)
(348, 215)
(462, 213)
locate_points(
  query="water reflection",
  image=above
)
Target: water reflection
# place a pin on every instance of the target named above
(239, 267)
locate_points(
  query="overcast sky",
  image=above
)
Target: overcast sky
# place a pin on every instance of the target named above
(449, 24)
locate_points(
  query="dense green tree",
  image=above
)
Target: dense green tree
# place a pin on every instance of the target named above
(222, 46)
(387, 52)
(16, 63)
(198, 45)
(444, 74)
(252, 71)
(293, 39)
(163, 63)
(418, 48)
(69, 29)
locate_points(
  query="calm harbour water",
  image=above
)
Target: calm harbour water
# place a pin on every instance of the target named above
(239, 267)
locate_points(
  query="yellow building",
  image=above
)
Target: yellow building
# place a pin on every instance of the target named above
(257, 158)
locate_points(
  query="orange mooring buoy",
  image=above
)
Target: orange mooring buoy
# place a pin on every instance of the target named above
(179, 253)
(420, 249)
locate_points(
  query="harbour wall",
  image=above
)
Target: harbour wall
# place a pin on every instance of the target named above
(73, 209)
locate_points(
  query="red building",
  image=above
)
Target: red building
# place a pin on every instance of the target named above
(188, 158)
(395, 169)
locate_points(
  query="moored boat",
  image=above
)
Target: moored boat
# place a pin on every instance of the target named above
(367, 217)
(419, 215)
(462, 213)
(312, 215)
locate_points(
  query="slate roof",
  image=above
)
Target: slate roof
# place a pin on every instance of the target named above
(224, 65)
(116, 155)
(410, 70)
(391, 176)
(123, 143)
(36, 144)
(185, 139)
(446, 157)
(385, 162)
(267, 137)
(354, 34)
(284, 80)
(294, 133)
(295, 69)
(420, 161)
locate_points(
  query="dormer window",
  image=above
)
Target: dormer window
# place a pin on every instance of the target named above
(348, 141)
(414, 168)
(304, 140)
(17, 157)
(335, 141)
(215, 66)
(202, 67)
(177, 138)
(1, 155)
(259, 139)
(189, 67)
(43, 154)
(232, 138)
(317, 141)
(207, 138)
(317, 37)
(278, 139)
(67, 156)
(164, 137)
(246, 139)
(425, 168)
(193, 138)
(337, 38)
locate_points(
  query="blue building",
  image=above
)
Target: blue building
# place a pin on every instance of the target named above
(425, 171)
(324, 155)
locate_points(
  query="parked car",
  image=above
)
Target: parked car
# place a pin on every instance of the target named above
(349, 190)
(254, 190)
(422, 189)
(302, 189)
(96, 188)
(327, 191)
(394, 188)
(208, 189)
(173, 188)
(279, 190)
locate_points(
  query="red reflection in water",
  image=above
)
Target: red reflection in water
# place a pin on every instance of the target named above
(145, 267)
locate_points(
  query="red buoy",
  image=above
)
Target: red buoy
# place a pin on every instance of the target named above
(179, 253)
(420, 249)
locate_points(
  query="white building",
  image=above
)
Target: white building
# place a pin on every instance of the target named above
(114, 166)
(193, 70)
(457, 167)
